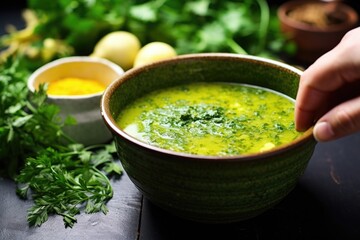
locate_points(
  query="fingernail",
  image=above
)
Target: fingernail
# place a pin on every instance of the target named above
(323, 132)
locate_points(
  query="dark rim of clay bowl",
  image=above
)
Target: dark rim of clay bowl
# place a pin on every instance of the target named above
(110, 121)
(348, 23)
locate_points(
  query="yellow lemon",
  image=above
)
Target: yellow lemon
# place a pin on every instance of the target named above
(120, 47)
(152, 52)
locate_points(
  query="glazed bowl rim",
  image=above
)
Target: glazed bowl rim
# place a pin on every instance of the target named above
(109, 120)
(286, 6)
(68, 60)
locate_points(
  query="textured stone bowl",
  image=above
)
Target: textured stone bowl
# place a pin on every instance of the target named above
(90, 128)
(206, 188)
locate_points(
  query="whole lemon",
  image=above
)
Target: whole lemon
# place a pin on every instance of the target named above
(120, 47)
(152, 52)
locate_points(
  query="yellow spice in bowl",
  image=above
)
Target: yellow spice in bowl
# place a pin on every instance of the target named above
(75, 86)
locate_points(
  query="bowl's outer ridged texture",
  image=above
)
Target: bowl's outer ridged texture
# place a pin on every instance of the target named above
(214, 191)
(208, 189)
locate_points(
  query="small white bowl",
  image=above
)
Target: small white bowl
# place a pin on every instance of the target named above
(90, 128)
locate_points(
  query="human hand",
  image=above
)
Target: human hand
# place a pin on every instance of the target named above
(329, 92)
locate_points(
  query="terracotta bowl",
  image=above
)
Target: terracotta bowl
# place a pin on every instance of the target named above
(317, 29)
(90, 128)
(207, 188)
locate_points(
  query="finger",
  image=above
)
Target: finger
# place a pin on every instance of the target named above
(318, 83)
(309, 107)
(341, 121)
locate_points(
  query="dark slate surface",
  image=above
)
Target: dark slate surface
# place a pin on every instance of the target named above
(121, 222)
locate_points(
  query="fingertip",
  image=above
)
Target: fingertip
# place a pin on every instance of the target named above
(303, 120)
(323, 132)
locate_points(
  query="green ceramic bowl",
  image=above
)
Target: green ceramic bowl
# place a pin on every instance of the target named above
(207, 188)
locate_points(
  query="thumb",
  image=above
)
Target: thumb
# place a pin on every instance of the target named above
(341, 121)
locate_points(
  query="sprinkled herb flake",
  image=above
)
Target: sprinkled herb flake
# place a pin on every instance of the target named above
(211, 119)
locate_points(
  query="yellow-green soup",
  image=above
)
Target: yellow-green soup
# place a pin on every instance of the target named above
(213, 119)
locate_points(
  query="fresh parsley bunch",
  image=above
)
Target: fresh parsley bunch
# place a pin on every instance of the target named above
(27, 125)
(65, 182)
(61, 176)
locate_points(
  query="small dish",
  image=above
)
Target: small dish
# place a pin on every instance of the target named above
(90, 128)
(315, 26)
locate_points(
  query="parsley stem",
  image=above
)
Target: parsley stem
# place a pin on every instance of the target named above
(235, 46)
(109, 189)
(264, 24)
